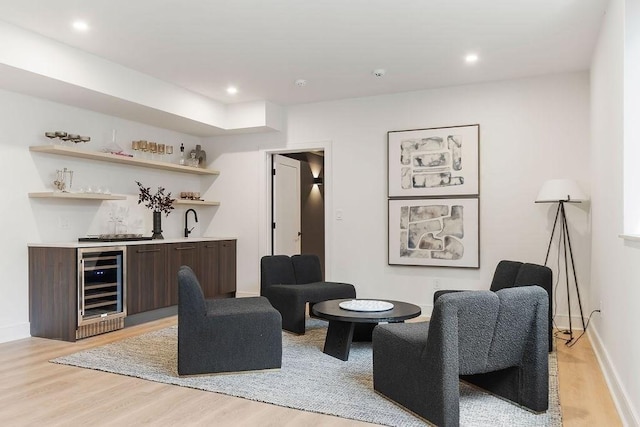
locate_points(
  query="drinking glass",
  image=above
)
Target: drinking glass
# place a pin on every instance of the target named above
(153, 149)
(135, 145)
(144, 146)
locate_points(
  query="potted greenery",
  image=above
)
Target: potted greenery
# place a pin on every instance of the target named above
(159, 203)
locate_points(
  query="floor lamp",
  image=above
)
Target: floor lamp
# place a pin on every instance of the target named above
(562, 191)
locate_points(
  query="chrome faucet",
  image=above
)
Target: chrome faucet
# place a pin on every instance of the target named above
(188, 230)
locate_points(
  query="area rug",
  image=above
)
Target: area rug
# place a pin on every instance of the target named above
(309, 380)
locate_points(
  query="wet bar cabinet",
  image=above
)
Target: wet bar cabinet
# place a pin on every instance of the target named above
(77, 290)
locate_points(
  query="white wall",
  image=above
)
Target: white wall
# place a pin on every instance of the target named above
(530, 130)
(23, 122)
(615, 270)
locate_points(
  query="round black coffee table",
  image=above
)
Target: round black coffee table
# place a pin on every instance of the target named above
(346, 326)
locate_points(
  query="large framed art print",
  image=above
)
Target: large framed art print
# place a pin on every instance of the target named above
(434, 162)
(434, 232)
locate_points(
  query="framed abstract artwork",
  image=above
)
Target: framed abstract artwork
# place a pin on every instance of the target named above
(434, 232)
(434, 162)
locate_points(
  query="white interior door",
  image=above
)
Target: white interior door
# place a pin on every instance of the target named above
(286, 206)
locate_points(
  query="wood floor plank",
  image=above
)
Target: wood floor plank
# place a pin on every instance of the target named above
(36, 392)
(584, 395)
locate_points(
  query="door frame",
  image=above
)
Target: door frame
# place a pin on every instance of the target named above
(265, 202)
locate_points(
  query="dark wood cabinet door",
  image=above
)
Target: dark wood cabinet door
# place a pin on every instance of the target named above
(227, 267)
(208, 275)
(53, 301)
(147, 284)
(179, 254)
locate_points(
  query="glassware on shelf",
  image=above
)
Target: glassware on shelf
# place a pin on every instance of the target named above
(66, 137)
(61, 135)
(52, 136)
(169, 149)
(135, 145)
(153, 149)
(144, 146)
(182, 159)
(193, 162)
(161, 150)
(63, 181)
(58, 183)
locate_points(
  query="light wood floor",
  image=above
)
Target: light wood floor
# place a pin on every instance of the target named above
(35, 392)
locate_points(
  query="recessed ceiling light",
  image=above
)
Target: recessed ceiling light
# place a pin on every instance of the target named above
(301, 82)
(80, 26)
(471, 58)
(232, 90)
(380, 72)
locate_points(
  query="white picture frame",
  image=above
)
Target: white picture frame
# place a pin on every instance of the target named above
(434, 162)
(439, 232)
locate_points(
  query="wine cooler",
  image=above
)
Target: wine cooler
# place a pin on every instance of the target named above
(101, 290)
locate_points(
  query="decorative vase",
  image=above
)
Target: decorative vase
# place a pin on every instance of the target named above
(157, 226)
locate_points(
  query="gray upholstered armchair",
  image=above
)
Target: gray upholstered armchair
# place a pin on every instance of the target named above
(291, 282)
(495, 340)
(511, 274)
(225, 335)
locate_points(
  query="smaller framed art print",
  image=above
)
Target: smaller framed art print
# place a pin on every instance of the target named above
(434, 232)
(434, 162)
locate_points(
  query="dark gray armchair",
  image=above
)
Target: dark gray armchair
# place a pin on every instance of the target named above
(225, 335)
(495, 340)
(511, 274)
(291, 282)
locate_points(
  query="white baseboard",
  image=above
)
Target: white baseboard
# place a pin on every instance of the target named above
(14, 332)
(627, 412)
(561, 321)
(246, 294)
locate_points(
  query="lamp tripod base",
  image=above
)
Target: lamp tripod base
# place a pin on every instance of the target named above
(565, 242)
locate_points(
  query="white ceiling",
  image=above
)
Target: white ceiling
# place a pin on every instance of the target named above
(263, 46)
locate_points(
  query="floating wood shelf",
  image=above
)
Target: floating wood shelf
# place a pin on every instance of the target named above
(79, 196)
(195, 202)
(116, 158)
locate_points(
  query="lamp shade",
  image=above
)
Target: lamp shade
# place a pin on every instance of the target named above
(555, 190)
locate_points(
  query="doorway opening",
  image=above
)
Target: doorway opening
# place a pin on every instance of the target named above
(297, 204)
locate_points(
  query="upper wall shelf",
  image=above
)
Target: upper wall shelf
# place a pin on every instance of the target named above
(82, 196)
(115, 158)
(195, 202)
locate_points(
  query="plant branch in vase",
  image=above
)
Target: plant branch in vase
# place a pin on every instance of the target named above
(159, 203)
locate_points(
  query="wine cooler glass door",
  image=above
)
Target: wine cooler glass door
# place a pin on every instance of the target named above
(101, 284)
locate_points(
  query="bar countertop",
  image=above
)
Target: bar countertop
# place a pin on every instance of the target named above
(125, 243)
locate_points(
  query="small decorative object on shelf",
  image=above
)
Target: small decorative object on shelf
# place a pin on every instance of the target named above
(64, 180)
(135, 146)
(182, 159)
(64, 136)
(190, 195)
(158, 203)
(198, 157)
(193, 162)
